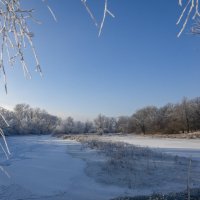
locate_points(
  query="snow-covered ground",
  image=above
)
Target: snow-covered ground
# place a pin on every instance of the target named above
(46, 168)
(41, 169)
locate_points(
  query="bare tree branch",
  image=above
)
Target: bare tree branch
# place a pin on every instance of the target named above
(190, 6)
(106, 12)
(15, 35)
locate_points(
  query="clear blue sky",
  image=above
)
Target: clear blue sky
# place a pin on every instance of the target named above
(137, 61)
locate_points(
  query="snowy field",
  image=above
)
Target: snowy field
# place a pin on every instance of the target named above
(45, 168)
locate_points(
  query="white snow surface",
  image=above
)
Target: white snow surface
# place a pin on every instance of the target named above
(44, 168)
(41, 169)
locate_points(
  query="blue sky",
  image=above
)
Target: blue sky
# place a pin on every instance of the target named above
(137, 61)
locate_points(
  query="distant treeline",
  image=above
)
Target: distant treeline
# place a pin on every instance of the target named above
(171, 118)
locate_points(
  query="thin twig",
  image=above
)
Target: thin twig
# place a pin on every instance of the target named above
(190, 6)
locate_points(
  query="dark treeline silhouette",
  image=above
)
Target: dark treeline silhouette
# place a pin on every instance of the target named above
(183, 117)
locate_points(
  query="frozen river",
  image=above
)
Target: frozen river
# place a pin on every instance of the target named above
(182, 147)
(42, 168)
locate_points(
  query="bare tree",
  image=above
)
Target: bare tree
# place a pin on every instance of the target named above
(100, 123)
(145, 118)
(123, 124)
(186, 113)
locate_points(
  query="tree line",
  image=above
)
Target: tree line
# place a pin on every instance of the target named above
(25, 120)
(182, 117)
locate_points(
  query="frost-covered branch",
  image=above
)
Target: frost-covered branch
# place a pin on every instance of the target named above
(50, 10)
(15, 36)
(106, 12)
(4, 146)
(89, 12)
(196, 27)
(188, 9)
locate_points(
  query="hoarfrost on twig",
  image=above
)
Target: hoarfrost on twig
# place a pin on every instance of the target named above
(106, 12)
(15, 35)
(190, 6)
(4, 171)
(4, 147)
